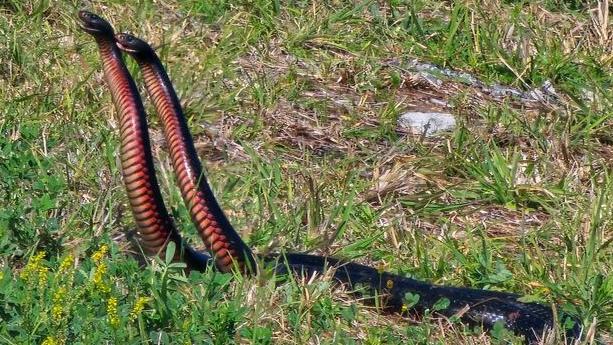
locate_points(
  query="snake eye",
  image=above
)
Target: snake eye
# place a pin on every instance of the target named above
(91, 16)
(125, 38)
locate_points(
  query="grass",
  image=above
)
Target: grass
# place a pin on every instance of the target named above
(293, 106)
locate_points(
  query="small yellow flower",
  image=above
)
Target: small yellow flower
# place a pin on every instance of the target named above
(99, 278)
(139, 305)
(42, 277)
(33, 266)
(59, 298)
(111, 310)
(49, 340)
(100, 253)
(59, 295)
(66, 264)
(56, 313)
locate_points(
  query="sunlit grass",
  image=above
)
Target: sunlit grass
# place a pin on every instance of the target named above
(293, 107)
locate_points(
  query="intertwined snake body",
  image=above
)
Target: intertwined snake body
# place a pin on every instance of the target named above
(216, 231)
(156, 228)
(154, 225)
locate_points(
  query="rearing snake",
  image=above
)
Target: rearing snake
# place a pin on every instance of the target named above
(156, 228)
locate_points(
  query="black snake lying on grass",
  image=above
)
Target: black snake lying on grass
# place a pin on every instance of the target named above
(156, 228)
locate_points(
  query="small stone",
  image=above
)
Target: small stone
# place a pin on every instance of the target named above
(428, 124)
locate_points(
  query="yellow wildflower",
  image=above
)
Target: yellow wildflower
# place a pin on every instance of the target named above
(98, 279)
(100, 253)
(56, 313)
(58, 296)
(49, 340)
(42, 277)
(66, 264)
(58, 301)
(33, 266)
(111, 310)
(139, 305)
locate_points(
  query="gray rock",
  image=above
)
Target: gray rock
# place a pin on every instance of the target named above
(428, 124)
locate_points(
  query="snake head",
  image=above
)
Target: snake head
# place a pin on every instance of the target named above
(133, 45)
(94, 24)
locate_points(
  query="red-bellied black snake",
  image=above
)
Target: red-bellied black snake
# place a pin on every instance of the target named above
(214, 228)
(484, 307)
(154, 225)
